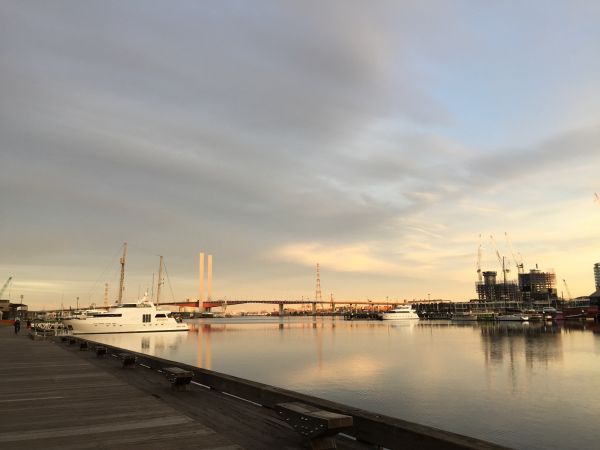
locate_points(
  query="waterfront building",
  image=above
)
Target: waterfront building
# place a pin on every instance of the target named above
(4, 309)
(9, 311)
(595, 296)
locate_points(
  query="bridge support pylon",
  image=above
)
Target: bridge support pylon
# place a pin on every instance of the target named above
(314, 309)
(281, 309)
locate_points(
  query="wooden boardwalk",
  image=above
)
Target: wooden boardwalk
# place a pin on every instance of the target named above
(54, 396)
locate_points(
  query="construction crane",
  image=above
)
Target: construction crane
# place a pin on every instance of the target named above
(518, 261)
(505, 269)
(5, 286)
(479, 277)
(569, 296)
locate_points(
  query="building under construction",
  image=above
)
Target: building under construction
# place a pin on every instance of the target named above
(535, 287)
(489, 290)
(532, 289)
(538, 287)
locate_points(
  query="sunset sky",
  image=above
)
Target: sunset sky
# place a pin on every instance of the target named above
(379, 139)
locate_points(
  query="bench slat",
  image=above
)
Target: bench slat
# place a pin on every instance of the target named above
(331, 419)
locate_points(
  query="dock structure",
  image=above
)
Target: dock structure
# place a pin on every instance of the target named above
(54, 396)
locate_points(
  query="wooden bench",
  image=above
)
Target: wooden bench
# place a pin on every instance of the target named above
(315, 424)
(128, 359)
(83, 346)
(100, 351)
(180, 378)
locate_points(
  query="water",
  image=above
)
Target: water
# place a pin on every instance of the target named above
(529, 386)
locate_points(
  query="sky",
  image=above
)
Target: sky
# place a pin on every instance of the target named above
(378, 139)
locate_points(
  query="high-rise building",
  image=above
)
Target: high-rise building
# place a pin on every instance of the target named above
(595, 296)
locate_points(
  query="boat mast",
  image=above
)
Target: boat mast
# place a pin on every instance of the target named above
(160, 280)
(122, 282)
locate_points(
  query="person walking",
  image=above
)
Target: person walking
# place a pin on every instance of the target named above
(17, 325)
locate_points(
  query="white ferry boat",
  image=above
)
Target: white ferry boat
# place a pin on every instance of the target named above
(138, 317)
(402, 312)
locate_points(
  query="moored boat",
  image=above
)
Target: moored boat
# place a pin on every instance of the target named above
(467, 316)
(534, 316)
(485, 316)
(127, 317)
(138, 317)
(513, 317)
(402, 312)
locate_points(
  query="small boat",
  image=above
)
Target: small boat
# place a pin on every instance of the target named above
(485, 316)
(584, 312)
(402, 312)
(550, 313)
(513, 317)
(534, 316)
(464, 316)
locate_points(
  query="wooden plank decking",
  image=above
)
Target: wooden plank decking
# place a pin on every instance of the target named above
(54, 396)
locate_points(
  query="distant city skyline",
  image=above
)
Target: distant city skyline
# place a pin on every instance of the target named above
(378, 140)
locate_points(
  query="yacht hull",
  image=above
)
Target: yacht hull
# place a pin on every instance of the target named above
(92, 326)
(400, 313)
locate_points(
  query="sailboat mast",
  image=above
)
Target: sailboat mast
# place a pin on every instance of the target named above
(122, 282)
(160, 281)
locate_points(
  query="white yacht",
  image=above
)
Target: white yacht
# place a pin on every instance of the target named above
(139, 317)
(402, 312)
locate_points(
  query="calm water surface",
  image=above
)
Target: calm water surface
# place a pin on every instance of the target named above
(529, 386)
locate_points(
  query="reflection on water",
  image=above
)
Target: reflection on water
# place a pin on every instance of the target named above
(524, 385)
(150, 343)
(536, 343)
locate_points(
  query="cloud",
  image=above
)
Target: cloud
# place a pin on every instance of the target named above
(357, 258)
(278, 133)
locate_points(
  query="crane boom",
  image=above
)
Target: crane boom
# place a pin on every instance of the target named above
(5, 286)
(518, 261)
(505, 270)
(495, 248)
(569, 296)
(479, 278)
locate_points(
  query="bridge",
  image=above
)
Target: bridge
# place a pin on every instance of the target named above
(207, 305)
